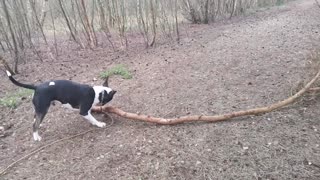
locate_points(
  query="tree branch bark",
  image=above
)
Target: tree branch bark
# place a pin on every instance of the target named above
(317, 2)
(315, 89)
(67, 21)
(215, 118)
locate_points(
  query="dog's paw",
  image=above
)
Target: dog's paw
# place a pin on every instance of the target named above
(100, 124)
(36, 136)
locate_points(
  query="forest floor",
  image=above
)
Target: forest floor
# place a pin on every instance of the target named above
(249, 61)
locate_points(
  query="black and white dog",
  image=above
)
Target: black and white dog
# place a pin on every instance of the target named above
(72, 95)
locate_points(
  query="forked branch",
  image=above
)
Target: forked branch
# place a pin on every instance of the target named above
(215, 118)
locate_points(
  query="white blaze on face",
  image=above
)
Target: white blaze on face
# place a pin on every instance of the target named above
(98, 90)
(52, 83)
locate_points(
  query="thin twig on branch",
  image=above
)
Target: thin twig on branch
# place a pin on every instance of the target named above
(215, 118)
(315, 89)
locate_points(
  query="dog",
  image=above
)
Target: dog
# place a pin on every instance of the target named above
(72, 95)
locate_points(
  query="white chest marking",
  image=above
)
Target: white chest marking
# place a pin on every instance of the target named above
(52, 83)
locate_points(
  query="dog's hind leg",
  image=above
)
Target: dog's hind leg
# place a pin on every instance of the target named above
(38, 117)
(41, 110)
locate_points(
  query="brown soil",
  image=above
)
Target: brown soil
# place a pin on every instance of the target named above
(250, 61)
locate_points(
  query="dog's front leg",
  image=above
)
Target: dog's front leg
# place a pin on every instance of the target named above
(93, 120)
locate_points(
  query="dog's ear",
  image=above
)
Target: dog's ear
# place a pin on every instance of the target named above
(112, 92)
(105, 84)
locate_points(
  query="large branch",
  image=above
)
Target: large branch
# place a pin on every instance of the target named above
(215, 118)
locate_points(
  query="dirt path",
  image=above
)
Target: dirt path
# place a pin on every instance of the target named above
(246, 62)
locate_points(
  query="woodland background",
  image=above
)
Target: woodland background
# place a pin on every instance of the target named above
(27, 24)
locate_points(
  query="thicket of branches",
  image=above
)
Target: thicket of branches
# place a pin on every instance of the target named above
(205, 11)
(28, 24)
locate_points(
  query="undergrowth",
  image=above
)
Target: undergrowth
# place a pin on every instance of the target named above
(279, 2)
(119, 69)
(13, 99)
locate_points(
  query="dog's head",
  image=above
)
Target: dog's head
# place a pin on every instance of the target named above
(106, 95)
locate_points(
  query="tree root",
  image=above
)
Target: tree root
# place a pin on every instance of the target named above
(215, 118)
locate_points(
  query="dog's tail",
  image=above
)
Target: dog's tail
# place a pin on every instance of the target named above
(28, 86)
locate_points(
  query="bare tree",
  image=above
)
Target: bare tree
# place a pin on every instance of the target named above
(204, 11)
(44, 12)
(120, 19)
(176, 19)
(154, 21)
(5, 35)
(92, 40)
(13, 36)
(142, 22)
(103, 23)
(25, 24)
(54, 33)
(234, 4)
(38, 22)
(69, 25)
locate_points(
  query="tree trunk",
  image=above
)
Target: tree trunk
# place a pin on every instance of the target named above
(206, 12)
(67, 21)
(44, 12)
(54, 33)
(87, 26)
(32, 4)
(13, 37)
(176, 19)
(154, 22)
(234, 4)
(141, 19)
